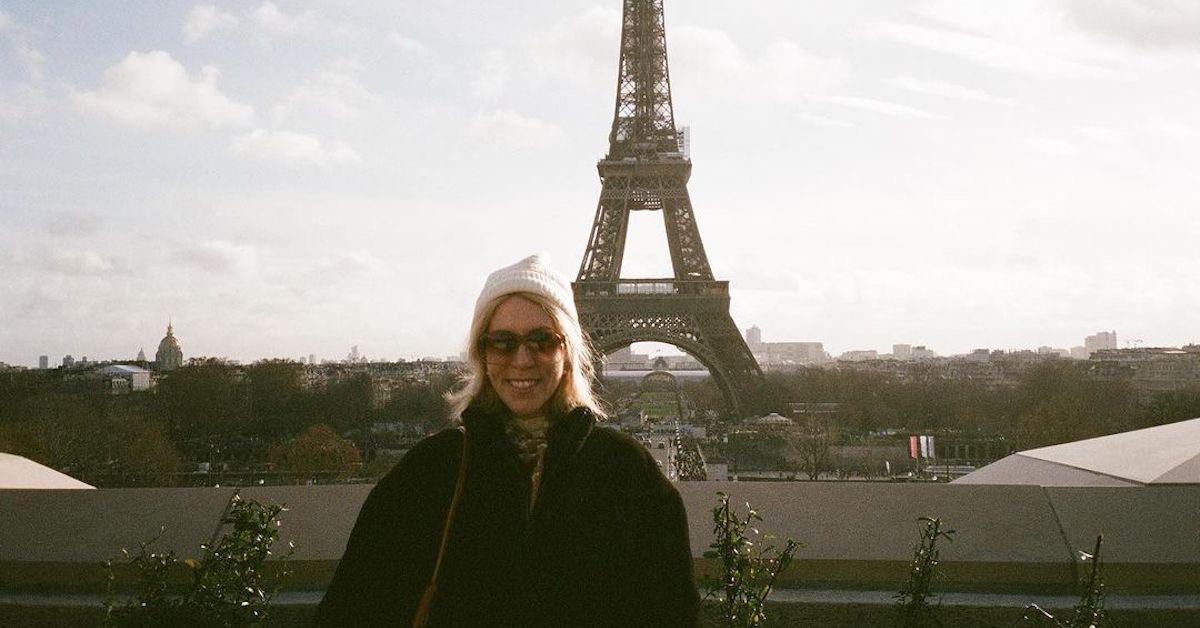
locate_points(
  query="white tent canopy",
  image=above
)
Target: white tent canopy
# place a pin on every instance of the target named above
(20, 472)
(1165, 454)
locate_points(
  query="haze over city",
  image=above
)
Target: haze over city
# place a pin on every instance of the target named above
(293, 178)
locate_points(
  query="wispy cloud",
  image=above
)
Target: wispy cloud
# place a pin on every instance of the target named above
(880, 106)
(333, 90)
(221, 257)
(205, 19)
(291, 147)
(993, 53)
(712, 62)
(1055, 147)
(579, 47)
(405, 43)
(83, 262)
(1148, 24)
(491, 75)
(26, 53)
(276, 22)
(74, 223)
(945, 90)
(509, 127)
(152, 89)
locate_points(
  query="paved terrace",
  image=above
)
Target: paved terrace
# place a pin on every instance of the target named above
(1012, 543)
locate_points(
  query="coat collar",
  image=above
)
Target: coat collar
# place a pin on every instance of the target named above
(566, 435)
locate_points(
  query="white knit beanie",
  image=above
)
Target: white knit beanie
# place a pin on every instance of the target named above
(528, 275)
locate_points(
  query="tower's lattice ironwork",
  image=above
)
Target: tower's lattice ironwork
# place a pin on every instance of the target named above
(645, 170)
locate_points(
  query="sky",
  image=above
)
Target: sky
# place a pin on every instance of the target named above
(295, 177)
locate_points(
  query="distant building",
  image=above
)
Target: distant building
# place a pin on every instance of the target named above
(1151, 370)
(1079, 353)
(1053, 351)
(169, 355)
(125, 377)
(141, 354)
(1100, 341)
(624, 359)
(978, 355)
(784, 354)
(43, 362)
(902, 352)
(919, 352)
(859, 355)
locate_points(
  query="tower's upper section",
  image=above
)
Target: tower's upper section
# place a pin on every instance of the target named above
(644, 120)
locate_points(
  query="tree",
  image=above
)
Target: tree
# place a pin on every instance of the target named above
(202, 398)
(275, 392)
(810, 446)
(316, 451)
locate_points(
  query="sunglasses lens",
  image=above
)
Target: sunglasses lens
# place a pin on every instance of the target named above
(542, 340)
(501, 346)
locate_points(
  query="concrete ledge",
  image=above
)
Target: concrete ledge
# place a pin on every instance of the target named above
(826, 608)
(857, 535)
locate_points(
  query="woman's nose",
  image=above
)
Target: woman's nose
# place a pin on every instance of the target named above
(524, 355)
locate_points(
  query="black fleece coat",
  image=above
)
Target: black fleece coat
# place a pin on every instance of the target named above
(605, 545)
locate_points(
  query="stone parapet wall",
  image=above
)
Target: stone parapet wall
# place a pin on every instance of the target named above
(857, 535)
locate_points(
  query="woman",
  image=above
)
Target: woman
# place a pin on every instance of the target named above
(558, 522)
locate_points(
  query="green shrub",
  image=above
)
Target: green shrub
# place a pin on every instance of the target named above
(914, 597)
(1088, 612)
(225, 588)
(749, 569)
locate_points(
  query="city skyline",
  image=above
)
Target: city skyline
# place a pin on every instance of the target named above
(290, 178)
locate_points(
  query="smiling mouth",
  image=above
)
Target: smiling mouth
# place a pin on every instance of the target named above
(521, 384)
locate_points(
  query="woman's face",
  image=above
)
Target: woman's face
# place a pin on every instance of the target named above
(527, 379)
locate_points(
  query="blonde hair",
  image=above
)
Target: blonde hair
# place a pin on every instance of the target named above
(574, 391)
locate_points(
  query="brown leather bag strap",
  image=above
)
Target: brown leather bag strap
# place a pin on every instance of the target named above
(421, 618)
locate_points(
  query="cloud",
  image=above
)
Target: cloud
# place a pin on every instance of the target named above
(509, 127)
(328, 273)
(708, 61)
(580, 48)
(944, 90)
(10, 112)
(879, 106)
(293, 148)
(152, 89)
(204, 20)
(1172, 130)
(276, 22)
(1051, 146)
(491, 75)
(333, 90)
(71, 262)
(220, 257)
(1001, 55)
(1149, 24)
(74, 223)
(1103, 135)
(31, 58)
(405, 43)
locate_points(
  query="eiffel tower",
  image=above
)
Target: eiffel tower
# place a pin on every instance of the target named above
(646, 169)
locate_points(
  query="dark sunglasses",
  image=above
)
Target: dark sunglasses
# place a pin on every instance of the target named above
(501, 346)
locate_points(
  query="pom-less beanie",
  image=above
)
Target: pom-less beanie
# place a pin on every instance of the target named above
(528, 275)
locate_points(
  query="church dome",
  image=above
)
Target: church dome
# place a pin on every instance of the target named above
(170, 354)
